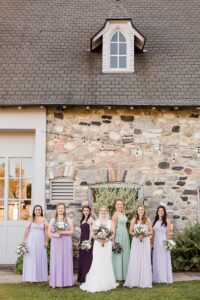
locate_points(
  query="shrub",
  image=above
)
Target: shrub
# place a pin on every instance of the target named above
(107, 196)
(186, 256)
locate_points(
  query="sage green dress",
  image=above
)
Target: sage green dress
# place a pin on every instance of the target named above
(120, 261)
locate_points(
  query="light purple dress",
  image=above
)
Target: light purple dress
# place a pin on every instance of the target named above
(162, 268)
(61, 260)
(35, 267)
(139, 269)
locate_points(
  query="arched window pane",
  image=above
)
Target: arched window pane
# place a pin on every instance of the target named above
(122, 62)
(115, 37)
(122, 49)
(121, 38)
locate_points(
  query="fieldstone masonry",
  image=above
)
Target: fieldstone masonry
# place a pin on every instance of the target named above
(122, 145)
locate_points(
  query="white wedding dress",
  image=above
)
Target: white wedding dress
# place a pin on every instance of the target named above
(100, 277)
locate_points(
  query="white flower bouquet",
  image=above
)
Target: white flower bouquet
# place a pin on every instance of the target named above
(102, 234)
(169, 244)
(60, 226)
(21, 250)
(86, 245)
(141, 231)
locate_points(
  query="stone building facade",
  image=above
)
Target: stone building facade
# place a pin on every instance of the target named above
(155, 150)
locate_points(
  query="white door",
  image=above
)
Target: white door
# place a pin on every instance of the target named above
(16, 185)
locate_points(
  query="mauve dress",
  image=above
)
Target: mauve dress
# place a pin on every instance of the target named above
(35, 267)
(162, 268)
(139, 269)
(61, 261)
(85, 257)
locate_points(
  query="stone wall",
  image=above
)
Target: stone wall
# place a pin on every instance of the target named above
(122, 145)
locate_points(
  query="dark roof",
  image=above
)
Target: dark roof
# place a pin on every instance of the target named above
(45, 57)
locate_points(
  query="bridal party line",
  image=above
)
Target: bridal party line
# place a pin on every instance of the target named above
(106, 257)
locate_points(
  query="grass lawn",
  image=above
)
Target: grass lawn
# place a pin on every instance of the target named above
(177, 291)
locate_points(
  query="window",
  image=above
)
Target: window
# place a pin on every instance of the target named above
(62, 189)
(15, 188)
(118, 51)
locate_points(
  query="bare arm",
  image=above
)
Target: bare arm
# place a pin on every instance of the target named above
(113, 231)
(91, 223)
(132, 224)
(150, 228)
(168, 229)
(26, 231)
(114, 221)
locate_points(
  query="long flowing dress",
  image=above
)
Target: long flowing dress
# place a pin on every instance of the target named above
(85, 257)
(61, 260)
(35, 266)
(120, 261)
(139, 269)
(100, 277)
(162, 268)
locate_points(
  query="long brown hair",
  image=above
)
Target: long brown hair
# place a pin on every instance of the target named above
(64, 214)
(33, 214)
(120, 199)
(144, 217)
(83, 217)
(164, 217)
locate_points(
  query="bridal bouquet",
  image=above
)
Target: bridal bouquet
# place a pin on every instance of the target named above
(141, 231)
(21, 250)
(169, 245)
(117, 248)
(86, 245)
(102, 234)
(60, 226)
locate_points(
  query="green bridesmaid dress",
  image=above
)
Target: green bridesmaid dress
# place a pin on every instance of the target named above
(120, 261)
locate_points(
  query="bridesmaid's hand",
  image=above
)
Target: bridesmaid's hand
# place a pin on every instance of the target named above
(140, 237)
(46, 244)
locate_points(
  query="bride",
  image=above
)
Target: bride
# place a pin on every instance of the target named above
(101, 276)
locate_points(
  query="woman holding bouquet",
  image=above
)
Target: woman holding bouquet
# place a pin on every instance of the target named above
(61, 256)
(139, 269)
(35, 267)
(162, 268)
(100, 277)
(85, 256)
(121, 260)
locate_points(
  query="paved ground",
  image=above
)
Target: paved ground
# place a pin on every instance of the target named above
(8, 276)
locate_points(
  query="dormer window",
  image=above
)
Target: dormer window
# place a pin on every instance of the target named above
(118, 51)
(119, 39)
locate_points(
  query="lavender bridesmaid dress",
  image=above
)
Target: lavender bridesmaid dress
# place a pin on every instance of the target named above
(139, 269)
(35, 268)
(61, 261)
(162, 268)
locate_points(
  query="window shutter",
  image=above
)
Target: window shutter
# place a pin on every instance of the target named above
(62, 190)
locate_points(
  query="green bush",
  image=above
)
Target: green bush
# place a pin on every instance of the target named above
(107, 196)
(186, 256)
(18, 267)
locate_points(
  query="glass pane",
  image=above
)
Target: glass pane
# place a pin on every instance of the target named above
(26, 188)
(14, 167)
(2, 167)
(26, 167)
(25, 209)
(2, 185)
(121, 37)
(13, 210)
(122, 62)
(122, 49)
(1, 209)
(113, 48)
(113, 61)
(14, 188)
(115, 37)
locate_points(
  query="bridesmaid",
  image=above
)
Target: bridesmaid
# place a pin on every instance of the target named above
(162, 268)
(61, 256)
(120, 261)
(85, 257)
(35, 266)
(139, 269)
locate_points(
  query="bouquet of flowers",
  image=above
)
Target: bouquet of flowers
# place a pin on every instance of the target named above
(86, 245)
(102, 234)
(169, 245)
(141, 231)
(117, 248)
(60, 226)
(21, 250)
